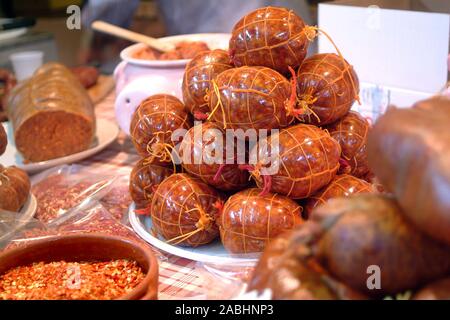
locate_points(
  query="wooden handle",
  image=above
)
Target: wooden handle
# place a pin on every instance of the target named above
(130, 35)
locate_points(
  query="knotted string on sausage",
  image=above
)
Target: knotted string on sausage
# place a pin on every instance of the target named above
(351, 132)
(219, 170)
(160, 151)
(199, 73)
(184, 210)
(341, 186)
(250, 220)
(152, 125)
(308, 160)
(255, 172)
(327, 84)
(250, 98)
(144, 178)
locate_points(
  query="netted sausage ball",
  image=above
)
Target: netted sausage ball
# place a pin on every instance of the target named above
(144, 179)
(203, 154)
(341, 186)
(184, 210)
(351, 132)
(271, 37)
(198, 74)
(153, 123)
(327, 87)
(298, 161)
(249, 221)
(251, 98)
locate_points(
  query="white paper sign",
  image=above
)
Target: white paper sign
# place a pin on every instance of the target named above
(396, 48)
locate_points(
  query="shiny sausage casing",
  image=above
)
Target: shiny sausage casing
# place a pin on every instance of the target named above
(144, 178)
(249, 221)
(155, 119)
(14, 188)
(351, 132)
(271, 37)
(308, 159)
(371, 230)
(409, 152)
(195, 144)
(328, 85)
(282, 269)
(341, 186)
(198, 74)
(251, 98)
(180, 205)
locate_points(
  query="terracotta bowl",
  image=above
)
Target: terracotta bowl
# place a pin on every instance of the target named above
(89, 247)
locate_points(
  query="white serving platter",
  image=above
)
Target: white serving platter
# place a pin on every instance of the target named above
(210, 253)
(106, 132)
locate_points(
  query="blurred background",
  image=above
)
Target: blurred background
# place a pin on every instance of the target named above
(156, 18)
(43, 24)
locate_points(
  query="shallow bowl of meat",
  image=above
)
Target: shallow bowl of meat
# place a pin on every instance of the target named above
(144, 72)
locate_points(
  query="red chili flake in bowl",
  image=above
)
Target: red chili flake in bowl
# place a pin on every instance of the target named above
(71, 280)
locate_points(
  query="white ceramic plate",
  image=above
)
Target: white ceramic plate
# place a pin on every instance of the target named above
(211, 253)
(106, 133)
(213, 40)
(26, 214)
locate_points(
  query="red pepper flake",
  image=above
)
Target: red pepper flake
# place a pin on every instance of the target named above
(71, 280)
(117, 201)
(56, 194)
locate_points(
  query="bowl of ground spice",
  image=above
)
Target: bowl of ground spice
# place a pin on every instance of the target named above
(79, 267)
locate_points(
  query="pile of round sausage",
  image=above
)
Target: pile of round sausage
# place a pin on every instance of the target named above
(267, 83)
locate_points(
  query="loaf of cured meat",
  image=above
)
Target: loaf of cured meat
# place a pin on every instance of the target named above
(51, 114)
